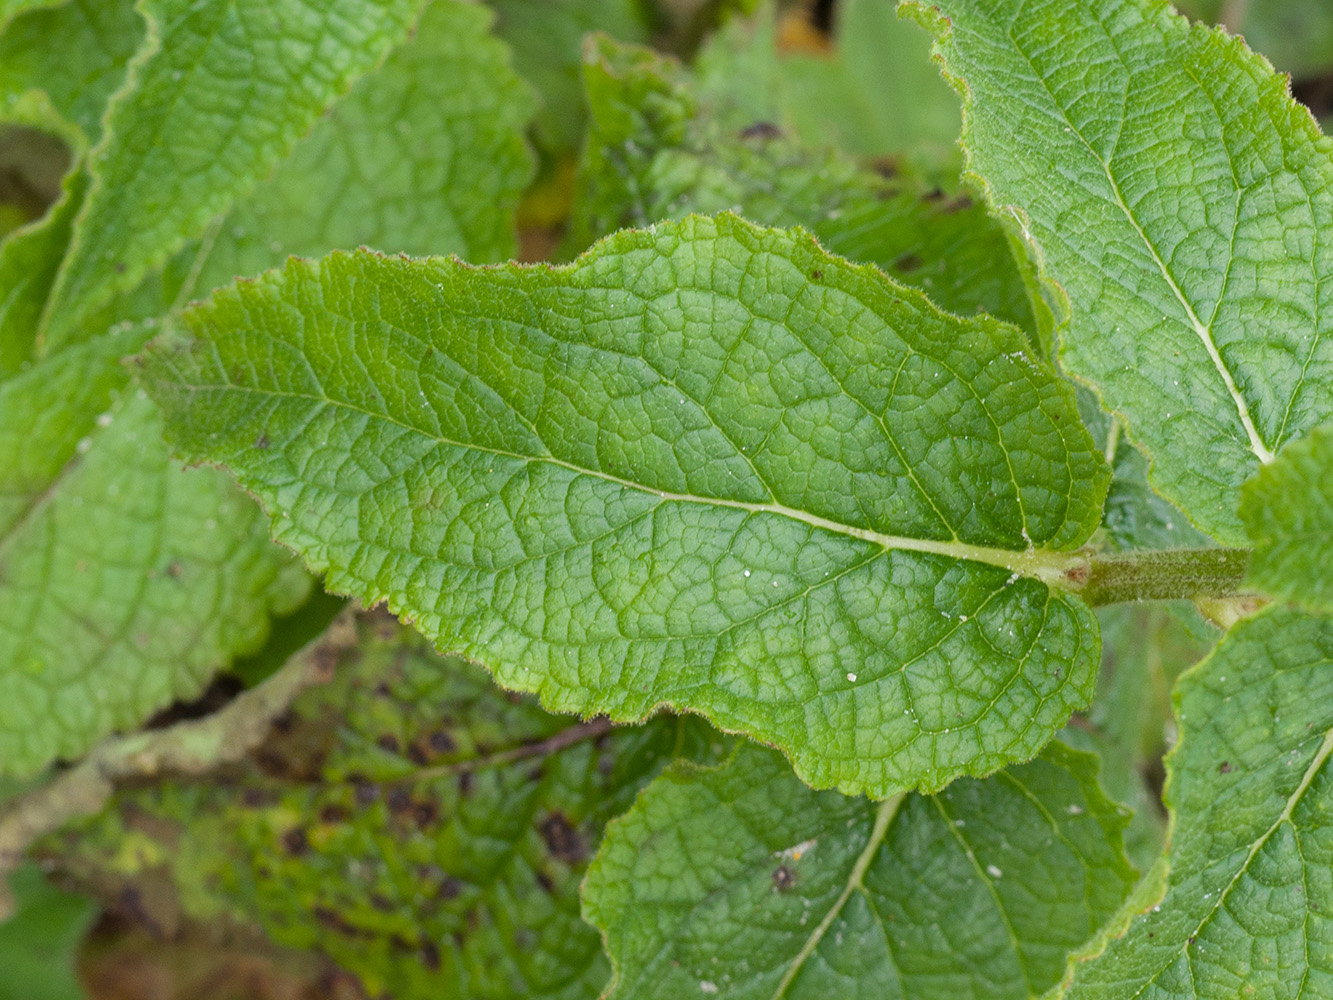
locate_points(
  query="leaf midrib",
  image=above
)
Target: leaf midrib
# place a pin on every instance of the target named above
(1049, 567)
(1202, 331)
(1316, 764)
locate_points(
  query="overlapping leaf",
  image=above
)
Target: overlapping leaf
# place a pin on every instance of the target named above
(414, 823)
(218, 96)
(1170, 187)
(660, 147)
(708, 465)
(1288, 510)
(740, 882)
(129, 581)
(1239, 905)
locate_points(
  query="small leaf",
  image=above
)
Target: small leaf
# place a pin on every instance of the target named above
(1239, 904)
(740, 882)
(1175, 195)
(708, 466)
(410, 821)
(216, 97)
(1288, 511)
(546, 36)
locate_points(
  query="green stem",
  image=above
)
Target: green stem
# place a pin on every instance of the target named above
(1162, 575)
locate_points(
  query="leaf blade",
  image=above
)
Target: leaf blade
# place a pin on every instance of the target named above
(527, 533)
(1164, 272)
(739, 882)
(1238, 896)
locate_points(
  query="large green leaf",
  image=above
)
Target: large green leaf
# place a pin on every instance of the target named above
(661, 147)
(740, 882)
(1239, 905)
(708, 465)
(411, 821)
(1175, 195)
(217, 96)
(1288, 511)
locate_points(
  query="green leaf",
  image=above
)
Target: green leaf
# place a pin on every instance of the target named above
(1288, 512)
(660, 148)
(126, 582)
(708, 466)
(458, 132)
(741, 882)
(875, 94)
(1175, 195)
(196, 127)
(1239, 904)
(419, 826)
(75, 53)
(39, 943)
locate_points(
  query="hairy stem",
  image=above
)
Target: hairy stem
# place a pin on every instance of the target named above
(1161, 575)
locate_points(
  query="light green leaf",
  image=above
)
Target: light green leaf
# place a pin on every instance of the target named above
(1175, 194)
(1288, 510)
(660, 148)
(411, 821)
(1240, 903)
(75, 53)
(708, 465)
(740, 882)
(425, 155)
(125, 582)
(450, 132)
(217, 95)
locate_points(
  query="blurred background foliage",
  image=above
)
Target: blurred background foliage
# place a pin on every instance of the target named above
(401, 797)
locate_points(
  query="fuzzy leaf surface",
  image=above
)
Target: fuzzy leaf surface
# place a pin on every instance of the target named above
(740, 882)
(217, 96)
(1288, 510)
(708, 465)
(661, 146)
(1175, 193)
(1239, 904)
(411, 821)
